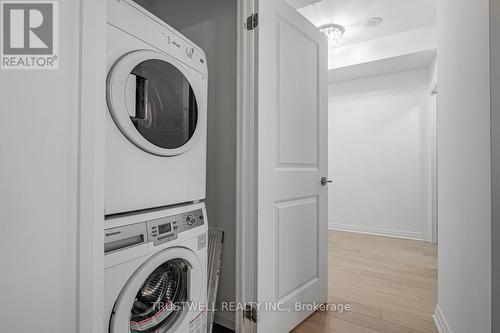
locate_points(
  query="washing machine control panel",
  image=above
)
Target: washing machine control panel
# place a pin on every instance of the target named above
(158, 231)
(168, 228)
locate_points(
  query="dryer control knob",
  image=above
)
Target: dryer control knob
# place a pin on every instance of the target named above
(190, 52)
(190, 219)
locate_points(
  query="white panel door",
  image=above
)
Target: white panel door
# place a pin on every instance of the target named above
(292, 159)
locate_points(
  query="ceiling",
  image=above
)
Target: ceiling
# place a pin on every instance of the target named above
(398, 16)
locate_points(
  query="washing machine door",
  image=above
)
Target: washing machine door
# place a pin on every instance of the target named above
(157, 297)
(155, 101)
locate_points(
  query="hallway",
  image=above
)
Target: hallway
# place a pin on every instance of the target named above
(390, 284)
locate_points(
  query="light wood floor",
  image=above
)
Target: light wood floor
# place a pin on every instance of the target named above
(390, 283)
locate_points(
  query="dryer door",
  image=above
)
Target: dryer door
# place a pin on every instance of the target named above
(157, 297)
(154, 101)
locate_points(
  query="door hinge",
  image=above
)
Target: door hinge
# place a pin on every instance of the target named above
(252, 21)
(250, 313)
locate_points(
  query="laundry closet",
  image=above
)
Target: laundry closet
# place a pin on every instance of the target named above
(185, 123)
(212, 26)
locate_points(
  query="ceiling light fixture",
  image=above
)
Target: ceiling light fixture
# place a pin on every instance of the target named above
(334, 32)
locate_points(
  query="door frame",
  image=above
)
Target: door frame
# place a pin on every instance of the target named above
(91, 159)
(433, 227)
(246, 168)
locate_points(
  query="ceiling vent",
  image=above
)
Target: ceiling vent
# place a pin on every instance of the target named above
(373, 22)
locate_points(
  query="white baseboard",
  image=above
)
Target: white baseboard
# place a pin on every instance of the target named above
(379, 231)
(226, 319)
(441, 324)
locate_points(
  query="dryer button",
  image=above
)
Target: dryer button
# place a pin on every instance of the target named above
(190, 52)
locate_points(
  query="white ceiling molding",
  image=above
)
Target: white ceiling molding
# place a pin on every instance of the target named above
(402, 63)
(410, 42)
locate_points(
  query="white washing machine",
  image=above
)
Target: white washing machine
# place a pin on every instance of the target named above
(157, 120)
(156, 271)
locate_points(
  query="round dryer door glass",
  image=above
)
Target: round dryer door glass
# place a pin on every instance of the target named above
(162, 104)
(159, 301)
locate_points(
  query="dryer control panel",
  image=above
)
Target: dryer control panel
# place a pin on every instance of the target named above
(166, 229)
(129, 16)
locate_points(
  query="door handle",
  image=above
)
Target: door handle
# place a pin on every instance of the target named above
(325, 181)
(141, 98)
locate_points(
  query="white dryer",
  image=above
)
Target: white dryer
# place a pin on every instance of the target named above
(157, 119)
(156, 271)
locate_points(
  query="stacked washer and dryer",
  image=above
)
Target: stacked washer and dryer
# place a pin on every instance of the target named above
(156, 223)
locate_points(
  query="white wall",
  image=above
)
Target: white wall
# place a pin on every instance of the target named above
(464, 178)
(38, 191)
(379, 154)
(212, 26)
